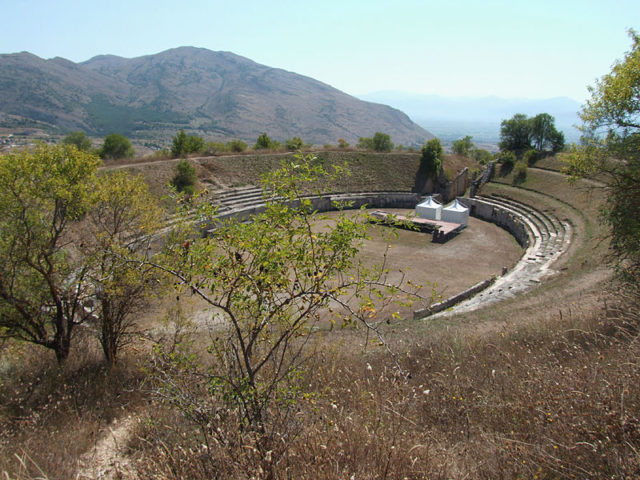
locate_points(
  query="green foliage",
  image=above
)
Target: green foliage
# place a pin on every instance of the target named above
(481, 156)
(265, 143)
(237, 146)
(79, 139)
(431, 158)
(185, 178)
(365, 143)
(212, 148)
(515, 133)
(544, 135)
(184, 144)
(42, 284)
(342, 143)
(463, 146)
(268, 281)
(520, 133)
(507, 160)
(519, 173)
(71, 244)
(382, 142)
(116, 146)
(294, 144)
(530, 157)
(611, 146)
(118, 230)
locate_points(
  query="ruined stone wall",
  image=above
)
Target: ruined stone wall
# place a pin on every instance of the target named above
(458, 186)
(326, 204)
(501, 217)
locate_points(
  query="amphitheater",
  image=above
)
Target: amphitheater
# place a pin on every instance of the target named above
(543, 237)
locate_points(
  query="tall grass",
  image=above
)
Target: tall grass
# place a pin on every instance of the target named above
(553, 400)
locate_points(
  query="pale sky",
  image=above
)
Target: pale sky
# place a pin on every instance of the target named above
(507, 48)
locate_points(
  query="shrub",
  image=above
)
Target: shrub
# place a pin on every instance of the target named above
(294, 144)
(211, 148)
(481, 156)
(237, 146)
(431, 159)
(342, 143)
(382, 142)
(508, 160)
(185, 177)
(79, 139)
(116, 146)
(519, 173)
(265, 143)
(184, 144)
(530, 157)
(365, 143)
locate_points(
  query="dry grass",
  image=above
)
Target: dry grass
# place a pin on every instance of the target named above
(558, 400)
(550, 391)
(50, 416)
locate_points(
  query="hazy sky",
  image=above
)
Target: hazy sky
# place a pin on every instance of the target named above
(508, 48)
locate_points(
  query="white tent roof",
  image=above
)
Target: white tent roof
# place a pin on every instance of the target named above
(456, 206)
(430, 202)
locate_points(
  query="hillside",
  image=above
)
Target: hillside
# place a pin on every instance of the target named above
(218, 95)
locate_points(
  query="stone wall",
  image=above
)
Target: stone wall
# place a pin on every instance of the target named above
(454, 300)
(326, 203)
(485, 177)
(457, 187)
(501, 217)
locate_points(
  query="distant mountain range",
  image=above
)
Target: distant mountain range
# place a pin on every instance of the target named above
(452, 117)
(218, 95)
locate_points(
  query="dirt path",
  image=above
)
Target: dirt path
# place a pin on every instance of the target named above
(107, 460)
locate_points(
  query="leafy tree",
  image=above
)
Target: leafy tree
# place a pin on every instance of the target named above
(544, 134)
(79, 139)
(116, 146)
(342, 143)
(118, 231)
(520, 133)
(463, 146)
(265, 143)
(611, 146)
(184, 144)
(431, 158)
(237, 146)
(382, 142)
(294, 144)
(365, 143)
(43, 286)
(269, 282)
(515, 134)
(481, 156)
(185, 177)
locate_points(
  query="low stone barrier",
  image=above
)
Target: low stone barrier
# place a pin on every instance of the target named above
(451, 301)
(326, 203)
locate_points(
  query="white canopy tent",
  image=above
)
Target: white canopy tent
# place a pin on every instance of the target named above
(429, 209)
(455, 212)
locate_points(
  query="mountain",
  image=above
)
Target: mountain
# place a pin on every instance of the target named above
(214, 94)
(478, 116)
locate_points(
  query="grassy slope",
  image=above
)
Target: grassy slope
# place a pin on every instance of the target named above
(369, 171)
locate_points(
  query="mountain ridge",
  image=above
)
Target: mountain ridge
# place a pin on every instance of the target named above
(218, 95)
